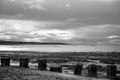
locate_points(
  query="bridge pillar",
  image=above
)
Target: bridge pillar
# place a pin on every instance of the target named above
(78, 69)
(111, 71)
(56, 69)
(42, 64)
(24, 63)
(92, 70)
(5, 62)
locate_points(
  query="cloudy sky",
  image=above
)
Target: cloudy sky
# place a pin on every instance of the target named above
(83, 22)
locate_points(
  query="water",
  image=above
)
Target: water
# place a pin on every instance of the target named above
(57, 48)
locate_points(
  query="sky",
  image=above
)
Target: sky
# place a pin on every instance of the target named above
(79, 22)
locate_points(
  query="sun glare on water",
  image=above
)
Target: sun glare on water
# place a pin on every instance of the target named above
(8, 48)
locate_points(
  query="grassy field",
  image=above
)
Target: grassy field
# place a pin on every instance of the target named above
(16, 73)
(60, 58)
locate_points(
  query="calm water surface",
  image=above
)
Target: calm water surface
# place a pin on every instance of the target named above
(49, 48)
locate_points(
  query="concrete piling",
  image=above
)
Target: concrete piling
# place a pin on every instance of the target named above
(42, 64)
(5, 62)
(111, 71)
(92, 70)
(24, 63)
(78, 69)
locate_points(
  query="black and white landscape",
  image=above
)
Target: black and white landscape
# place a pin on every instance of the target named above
(63, 32)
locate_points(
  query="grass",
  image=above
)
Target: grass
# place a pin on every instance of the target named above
(17, 73)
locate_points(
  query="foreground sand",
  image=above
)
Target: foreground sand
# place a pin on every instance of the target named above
(17, 73)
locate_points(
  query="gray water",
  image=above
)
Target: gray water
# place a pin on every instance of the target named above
(57, 48)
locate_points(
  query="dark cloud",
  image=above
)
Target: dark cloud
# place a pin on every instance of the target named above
(89, 22)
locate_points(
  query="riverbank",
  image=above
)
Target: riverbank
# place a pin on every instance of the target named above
(17, 73)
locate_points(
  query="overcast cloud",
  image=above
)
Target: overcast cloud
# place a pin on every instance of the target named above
(88, 22)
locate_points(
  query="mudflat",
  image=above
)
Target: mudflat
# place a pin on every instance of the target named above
(17, 73)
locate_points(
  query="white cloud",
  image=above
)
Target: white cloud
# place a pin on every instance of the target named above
(32, 39)
(113, 36)
(96, 33)
(25, 30)
(105, 1)
(13, 0)
(19, 25)
(67, 5)
(17, 16)
(37, 4)
(114, 41)
(55, 34)
(34, 1)
(71, 20)
(5, 37)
